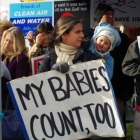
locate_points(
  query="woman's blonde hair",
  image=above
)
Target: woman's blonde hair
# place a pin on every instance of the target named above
(63, 25)
(18, 43)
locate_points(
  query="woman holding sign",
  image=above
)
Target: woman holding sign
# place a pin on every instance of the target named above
(66, 38)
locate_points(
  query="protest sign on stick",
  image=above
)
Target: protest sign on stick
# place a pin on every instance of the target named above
(36, 62)
(75, 105)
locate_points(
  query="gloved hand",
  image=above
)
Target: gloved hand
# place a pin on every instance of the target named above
(62, 67)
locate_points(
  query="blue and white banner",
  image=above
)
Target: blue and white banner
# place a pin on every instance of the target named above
(27, 16)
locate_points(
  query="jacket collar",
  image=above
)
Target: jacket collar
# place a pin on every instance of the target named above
(53, 55)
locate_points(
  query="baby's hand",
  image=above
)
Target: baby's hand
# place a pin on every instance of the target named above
(103, 60)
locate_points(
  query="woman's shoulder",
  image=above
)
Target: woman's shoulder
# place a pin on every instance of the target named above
(88, 55)
(22, 56)
(94, 56)
(51, 55)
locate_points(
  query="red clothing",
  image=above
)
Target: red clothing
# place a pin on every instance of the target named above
(137, 107)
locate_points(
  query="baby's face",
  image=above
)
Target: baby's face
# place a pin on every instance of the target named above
(102, 43)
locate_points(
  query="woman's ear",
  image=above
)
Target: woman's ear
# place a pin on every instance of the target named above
(63, 37)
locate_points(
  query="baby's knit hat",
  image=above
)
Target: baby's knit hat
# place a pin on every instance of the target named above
(107, 30)
(108, 34)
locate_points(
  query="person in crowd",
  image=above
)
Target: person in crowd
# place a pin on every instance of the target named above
(123, 85)
(14, 53)
(130, 67)
(4, 25)
(66, 38)
(41, 44)
(104, 40)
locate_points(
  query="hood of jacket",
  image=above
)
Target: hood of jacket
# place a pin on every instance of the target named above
(101, 27)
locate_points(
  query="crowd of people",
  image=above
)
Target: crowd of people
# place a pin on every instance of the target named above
(65, 45)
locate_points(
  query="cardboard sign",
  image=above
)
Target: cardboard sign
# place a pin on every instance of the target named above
(126, 12)
(36, 62)
(70, 106)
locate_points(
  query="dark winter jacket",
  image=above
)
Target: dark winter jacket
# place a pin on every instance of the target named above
(51, 57)
(131, 66)
(123, 85)
(18, 66)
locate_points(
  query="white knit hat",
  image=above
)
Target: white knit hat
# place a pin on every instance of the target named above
(108, 34)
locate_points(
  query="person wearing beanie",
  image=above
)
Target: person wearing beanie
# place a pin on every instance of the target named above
(104, 40)
(66, 38)
(101, 10)
(122, 84)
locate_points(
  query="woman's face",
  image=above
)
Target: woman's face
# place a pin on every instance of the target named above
(75, 37)
(8, 43)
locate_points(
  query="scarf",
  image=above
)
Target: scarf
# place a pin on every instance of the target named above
(65, 53)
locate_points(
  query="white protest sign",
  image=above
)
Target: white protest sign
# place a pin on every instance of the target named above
(126, 12)
(36, 62)
(70, 106)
